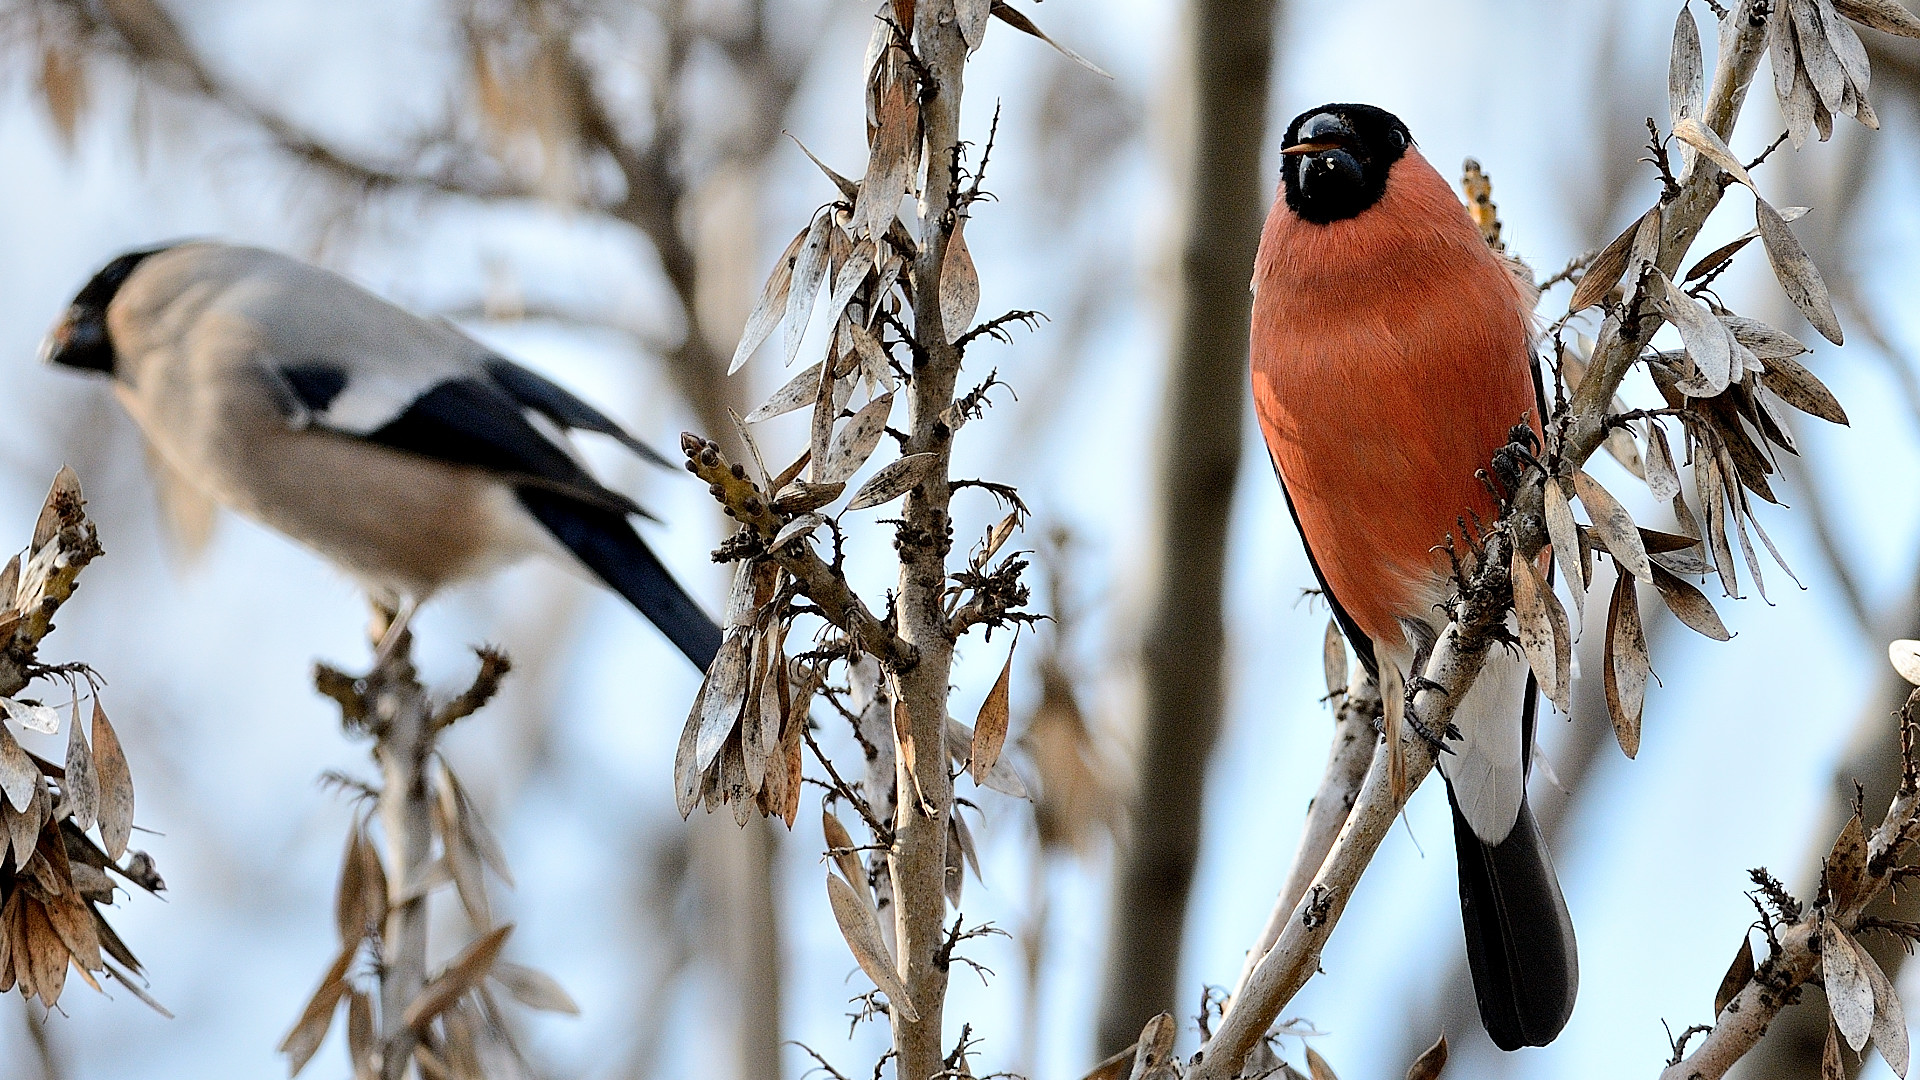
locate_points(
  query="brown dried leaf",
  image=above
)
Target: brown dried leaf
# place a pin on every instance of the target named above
(534, 988)
(1849, 990)
(1608, 267)
(79, 789)
(852, 273)
(1432, 1060)
(19, 776)
(1784, 58)
(895, 480)
(1852, 54)
(840, 846)
(799, 392)
(73, 922)
(800, 496)
(1706, 340)
(1720, 256)
(1685, 77)
(1614, 526)
(360, 1037)
(1845, 871)
(757, 735)
(1627, 665)
(1710, 483)
(809, 269)
(473, 828)
(1702, 138)
(1905, 657)
(1886, 16)
(1393, 701)
(66, 485)
(1889, 1017)
(723, 698)
(990, 726)
(469, 882)
(959, 286)
(1800, 388)
(873, 358)
(1830, 1064)
(1564, 533)
(1817, 56)
(1739, 974)
(855, 442)
(1796, 272)
(1544, 634)
(10, 581)
(311, 1029)
(686, 768)
(894, 144)
(116, 785)
(462, 973)
(1689, 605)
(998, 537)
(860, 926)
(1318, 1066)
(767, 311)
(350, 895)
(734, 790)
(1333, 659)
(1013, 17)
(46, 954)
(1663, 480)
(23, 827)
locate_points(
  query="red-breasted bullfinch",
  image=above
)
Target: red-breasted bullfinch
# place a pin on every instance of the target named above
(1391, 355)
(403, 450)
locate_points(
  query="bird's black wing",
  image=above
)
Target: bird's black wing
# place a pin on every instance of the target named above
(1362, 644)
(461, 421)
(558, 404)
(475, 422)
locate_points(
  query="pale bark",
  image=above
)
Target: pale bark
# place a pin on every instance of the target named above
(1183, 646)
(404, 736)
(924, 789)
(1347, 762)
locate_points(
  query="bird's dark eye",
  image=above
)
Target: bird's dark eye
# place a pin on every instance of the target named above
(1398, 138)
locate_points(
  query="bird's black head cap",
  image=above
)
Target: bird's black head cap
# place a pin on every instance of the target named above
(79, 339)
(1337, 160)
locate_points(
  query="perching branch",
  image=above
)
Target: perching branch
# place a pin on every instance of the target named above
(402, 1021)
(1820, 941)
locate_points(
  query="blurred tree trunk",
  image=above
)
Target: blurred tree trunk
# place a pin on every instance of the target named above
(1229, 60)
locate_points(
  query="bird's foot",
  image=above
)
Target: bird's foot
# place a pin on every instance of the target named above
(1435, 736)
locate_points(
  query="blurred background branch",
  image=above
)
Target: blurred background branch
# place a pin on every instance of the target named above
(1183, 651)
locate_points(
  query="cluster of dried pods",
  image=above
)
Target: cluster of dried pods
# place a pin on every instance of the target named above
(1725, 386)
(54, 878)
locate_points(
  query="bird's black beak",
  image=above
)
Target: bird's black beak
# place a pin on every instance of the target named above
(79, 340)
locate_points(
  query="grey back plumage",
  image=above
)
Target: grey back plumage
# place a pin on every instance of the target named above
(398, 446)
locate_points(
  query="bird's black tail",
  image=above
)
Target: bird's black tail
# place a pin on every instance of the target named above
(607, 544)
(1519, 936)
